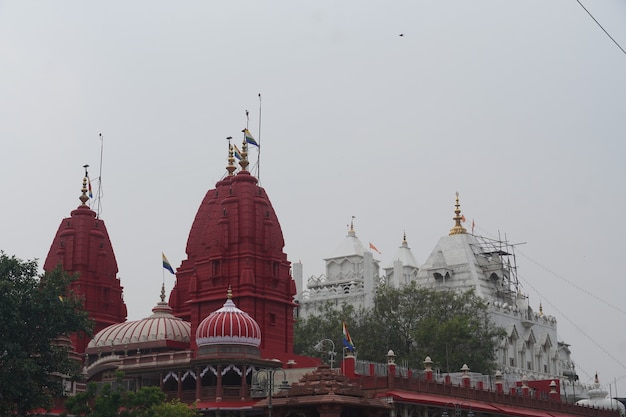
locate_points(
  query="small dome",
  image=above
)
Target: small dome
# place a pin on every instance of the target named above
(228, 325)
(599, 398)
(158, 330)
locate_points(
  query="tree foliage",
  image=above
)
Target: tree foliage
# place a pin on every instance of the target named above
(173, 408)
(308, 333)
(112, 400)
(35, 311)
(451, 327)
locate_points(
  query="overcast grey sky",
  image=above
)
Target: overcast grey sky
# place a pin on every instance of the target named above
(518, 105)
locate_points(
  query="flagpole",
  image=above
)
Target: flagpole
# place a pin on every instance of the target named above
(258, 156)
(100, 177)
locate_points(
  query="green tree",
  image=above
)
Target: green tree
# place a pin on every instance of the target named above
(451, 327)
(174, 408)
(35, 311)
(325, 325)
(112, 400)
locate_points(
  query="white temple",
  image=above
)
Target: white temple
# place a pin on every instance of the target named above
(460, 261)
(352, 276)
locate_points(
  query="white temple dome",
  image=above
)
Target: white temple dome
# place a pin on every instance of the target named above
(599, 398)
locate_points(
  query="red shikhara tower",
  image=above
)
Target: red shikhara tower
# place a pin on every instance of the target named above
(82, 246)
(236, 241)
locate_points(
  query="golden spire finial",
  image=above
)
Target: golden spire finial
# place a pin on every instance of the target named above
(404, 242)
(231, 159)
(229, 293)
(84, 197)
(351, 227)
(457, 229)
(163, 292)
(244, 153)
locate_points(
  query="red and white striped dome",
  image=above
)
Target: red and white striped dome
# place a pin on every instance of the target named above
(228, 325)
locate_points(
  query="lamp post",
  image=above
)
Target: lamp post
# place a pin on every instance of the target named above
(266, 384)
(331, 353)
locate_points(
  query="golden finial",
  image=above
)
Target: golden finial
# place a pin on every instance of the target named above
(540, 309)
(244, 153)
(351, 227)
(404, 242)
(229, 293)
(457, 229)
(84, 197)
(163, 292)
(231, 159)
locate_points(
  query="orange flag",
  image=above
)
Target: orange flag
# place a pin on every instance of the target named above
(375, 248)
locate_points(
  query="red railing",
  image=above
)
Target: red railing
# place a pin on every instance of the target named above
(380, 384)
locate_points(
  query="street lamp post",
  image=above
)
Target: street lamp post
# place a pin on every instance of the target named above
(266, 385)
(331, 353)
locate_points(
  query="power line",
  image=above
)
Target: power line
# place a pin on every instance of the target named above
(577, 327)
(562, 278)
(562, 314)
(598, 23)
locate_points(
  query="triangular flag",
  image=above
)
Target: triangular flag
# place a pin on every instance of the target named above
(375, 248)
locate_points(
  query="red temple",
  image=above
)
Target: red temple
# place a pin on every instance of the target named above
(82, 246)
(236, 241)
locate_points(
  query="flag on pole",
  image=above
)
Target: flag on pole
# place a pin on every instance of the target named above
(167, 265)
(249, 138)
(375, 248)
(237, 152)
(89, 185)
(347, 340)
(463, 218)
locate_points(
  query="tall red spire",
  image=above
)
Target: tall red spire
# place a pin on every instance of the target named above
(82, 246)
(236, 240)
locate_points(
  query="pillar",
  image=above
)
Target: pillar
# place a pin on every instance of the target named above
(499, 382)
(218, 389)
(348, 366)
(198, 384)
(428, 369)
(243, 390)
(465, 378)
(180, 385)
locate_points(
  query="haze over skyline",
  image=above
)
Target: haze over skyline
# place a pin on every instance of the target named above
(518, 106)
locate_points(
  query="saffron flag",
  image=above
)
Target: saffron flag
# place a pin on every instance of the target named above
(166, 264)
(248, 136)
(375, 248)
(347, 340)
(463, 218)
(237, 152)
